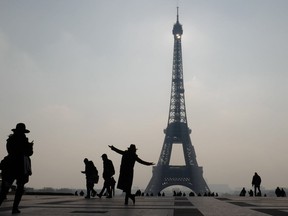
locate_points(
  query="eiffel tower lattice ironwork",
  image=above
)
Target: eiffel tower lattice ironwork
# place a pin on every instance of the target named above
(177, 133)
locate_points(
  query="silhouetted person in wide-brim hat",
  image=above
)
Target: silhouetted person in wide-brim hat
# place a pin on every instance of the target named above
(17, 164)
(127, 170)
(20, 128)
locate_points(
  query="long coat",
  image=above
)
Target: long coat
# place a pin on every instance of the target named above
(127, 168)
(15, 163)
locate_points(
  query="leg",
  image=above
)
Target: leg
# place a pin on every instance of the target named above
(4, 190)
(129, 195)
(93, 192)
(259, 190)
(101, 192)
(113, 190)
(18, 197)
(108, 189)
(88, 193)
(112, 186)
(126, 198)
(132, 197)
(7, 182)
(88, 188)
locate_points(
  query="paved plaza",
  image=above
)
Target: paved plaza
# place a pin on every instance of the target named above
(151, 206)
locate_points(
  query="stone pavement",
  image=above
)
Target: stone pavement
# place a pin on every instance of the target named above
(37, 205)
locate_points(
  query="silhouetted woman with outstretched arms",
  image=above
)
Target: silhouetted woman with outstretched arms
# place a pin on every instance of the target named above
(125, 180)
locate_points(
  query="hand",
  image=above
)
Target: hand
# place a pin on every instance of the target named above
(111, 146)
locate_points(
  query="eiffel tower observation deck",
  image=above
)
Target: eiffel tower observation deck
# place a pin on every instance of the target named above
(177, 132)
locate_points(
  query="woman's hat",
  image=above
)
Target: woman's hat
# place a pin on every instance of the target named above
(20, 127)
(132, 147)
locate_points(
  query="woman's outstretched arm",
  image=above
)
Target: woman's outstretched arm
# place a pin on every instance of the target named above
(139, 160)
(116, 149)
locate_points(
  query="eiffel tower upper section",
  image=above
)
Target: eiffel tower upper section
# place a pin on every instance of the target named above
(177, 111)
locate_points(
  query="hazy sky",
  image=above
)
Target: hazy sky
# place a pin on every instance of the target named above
(83, 75)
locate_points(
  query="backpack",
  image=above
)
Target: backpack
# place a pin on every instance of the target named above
(95, 175)
(112, 169)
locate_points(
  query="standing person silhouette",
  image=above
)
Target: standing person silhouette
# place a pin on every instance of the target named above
(127, 170)
(108, 172)
(256, 182)
(16, 165)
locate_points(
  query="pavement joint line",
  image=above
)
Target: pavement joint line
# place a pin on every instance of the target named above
(149, 206)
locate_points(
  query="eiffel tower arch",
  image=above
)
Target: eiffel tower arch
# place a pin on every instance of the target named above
(177, 133)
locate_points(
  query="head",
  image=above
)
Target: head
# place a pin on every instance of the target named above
(20, 128)
(132, 148)
(104, 157)
(85, 160)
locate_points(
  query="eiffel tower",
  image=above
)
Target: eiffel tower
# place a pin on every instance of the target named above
(177, 133)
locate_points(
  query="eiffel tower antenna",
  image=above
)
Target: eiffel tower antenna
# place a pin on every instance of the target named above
(177, 133)
(177, 14)
(178, 2)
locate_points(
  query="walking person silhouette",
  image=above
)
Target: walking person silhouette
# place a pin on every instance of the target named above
(92, 177)
(125, 180)
(16, 165)
(108, 172)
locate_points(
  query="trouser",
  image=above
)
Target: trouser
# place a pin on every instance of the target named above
(257, 187)
(6, 185)
(89, 187)
(107, 186)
